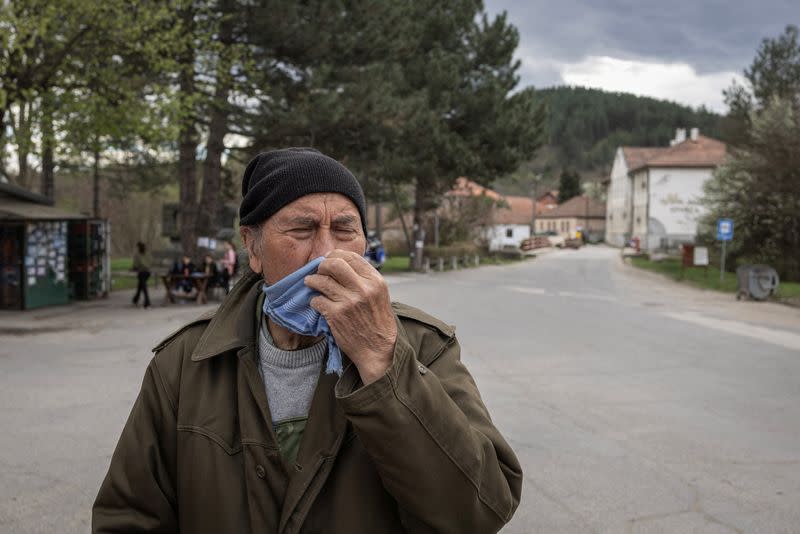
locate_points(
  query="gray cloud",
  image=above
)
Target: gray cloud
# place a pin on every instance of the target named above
(711, 36)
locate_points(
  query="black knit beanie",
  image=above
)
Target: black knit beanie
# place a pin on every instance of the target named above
(276, 178)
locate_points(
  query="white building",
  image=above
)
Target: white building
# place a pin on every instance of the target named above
(654, 193)
(510, 220)
(511, 223)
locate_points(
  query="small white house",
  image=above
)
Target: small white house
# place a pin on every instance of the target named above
(511, 223)
(654, 194)
(510, 219)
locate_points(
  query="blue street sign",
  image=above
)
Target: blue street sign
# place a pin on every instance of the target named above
(725, 230)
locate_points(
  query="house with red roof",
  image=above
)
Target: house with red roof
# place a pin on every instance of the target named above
(509, 222)
(654, 193)
(578, 214)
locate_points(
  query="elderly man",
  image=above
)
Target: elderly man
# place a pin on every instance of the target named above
(247, 424)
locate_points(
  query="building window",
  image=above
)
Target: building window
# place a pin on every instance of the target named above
(638, 220)
(610, 217)
(509, 232)
(644, 184)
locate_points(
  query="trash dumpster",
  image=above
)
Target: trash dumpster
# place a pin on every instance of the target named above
(757, 282)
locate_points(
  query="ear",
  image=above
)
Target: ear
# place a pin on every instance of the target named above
(252, 247)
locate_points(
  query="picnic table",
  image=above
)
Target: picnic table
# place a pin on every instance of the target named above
(199, 281)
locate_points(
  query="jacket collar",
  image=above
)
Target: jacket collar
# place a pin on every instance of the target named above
(233, 326)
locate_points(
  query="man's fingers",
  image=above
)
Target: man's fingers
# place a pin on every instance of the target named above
(341, 271)
(326, 285)
(358, 263)
(322, 304)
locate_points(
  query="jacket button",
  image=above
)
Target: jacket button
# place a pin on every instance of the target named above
(422, 369)
(260, 471)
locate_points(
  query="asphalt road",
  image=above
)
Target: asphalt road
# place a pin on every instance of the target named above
(634, 404)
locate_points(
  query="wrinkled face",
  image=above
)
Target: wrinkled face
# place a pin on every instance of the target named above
(303, 230)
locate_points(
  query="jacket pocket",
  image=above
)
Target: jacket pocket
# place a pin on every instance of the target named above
(230, 448)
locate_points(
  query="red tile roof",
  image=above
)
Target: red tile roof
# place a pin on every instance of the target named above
(510, 209)
(635, 157)
(577, 207)
(465, 188)
(548, 194)
(701, 153)
(516, 210)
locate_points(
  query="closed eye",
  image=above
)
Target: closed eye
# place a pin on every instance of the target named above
(301, 231)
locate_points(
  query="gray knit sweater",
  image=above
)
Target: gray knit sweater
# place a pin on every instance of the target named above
(290, 376)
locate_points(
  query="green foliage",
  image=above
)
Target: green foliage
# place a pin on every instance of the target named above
(463, 218)
(92, 64)
(587, 125)
(402, 92)
(569, 185)
(759, 188)
(774, 72)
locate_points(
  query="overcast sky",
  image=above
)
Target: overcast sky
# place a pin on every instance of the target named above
(681, 50)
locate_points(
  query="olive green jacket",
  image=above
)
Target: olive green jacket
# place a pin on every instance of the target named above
(415, 451)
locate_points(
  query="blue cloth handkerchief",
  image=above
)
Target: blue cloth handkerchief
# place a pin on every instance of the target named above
(287, 303)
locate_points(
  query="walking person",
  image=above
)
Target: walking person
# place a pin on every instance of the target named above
(228, 266)
(141, 264)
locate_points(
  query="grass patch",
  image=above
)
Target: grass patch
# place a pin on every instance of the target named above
(123, 282)
(789, 290)
(122, 276)
(396, 264)
(698, 276)
(121, 264)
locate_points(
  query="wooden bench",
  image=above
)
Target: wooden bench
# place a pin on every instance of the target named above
(199, 283)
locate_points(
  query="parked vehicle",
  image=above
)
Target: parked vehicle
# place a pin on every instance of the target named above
(376, 254)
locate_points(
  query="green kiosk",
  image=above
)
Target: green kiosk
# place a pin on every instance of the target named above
(48, 256)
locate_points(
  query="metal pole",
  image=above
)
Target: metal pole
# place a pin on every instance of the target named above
(722, 265)
(378, 221)
(533, 198)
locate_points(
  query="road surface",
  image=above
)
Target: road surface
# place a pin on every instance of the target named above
(634, 404)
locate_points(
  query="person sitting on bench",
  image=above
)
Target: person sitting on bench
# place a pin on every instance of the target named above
(184, 270)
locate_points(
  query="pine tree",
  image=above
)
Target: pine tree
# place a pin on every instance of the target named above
(569, 185)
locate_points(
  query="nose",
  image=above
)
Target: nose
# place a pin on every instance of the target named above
(324, 243)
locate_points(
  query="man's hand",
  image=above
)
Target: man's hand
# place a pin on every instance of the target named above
(354, 299)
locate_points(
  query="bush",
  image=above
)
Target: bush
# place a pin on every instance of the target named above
(458, 249)
(395, 247)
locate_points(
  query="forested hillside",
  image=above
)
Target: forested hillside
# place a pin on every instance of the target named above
(585, 126)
